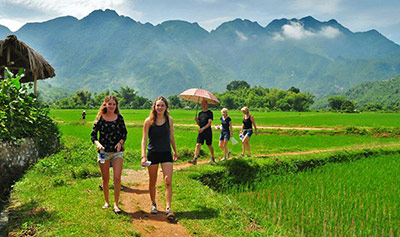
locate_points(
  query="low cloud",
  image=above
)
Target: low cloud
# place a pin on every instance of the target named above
(296, 31)
(241, 36)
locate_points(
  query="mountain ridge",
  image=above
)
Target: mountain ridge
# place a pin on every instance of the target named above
(107, 50)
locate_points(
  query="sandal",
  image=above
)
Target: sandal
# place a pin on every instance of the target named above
(106, 205)
(117, 210)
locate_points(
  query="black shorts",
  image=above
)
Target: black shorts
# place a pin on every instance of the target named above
(205, 135)
(157, 157)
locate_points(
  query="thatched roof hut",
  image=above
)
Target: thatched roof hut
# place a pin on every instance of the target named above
(15, 54)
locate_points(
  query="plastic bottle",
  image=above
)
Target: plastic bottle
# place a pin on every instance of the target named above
(102, 157)
(146, 164)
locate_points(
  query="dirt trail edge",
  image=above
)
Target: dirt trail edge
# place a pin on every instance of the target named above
(136, 200)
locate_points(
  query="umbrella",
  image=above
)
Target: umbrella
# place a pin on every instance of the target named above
(198, 95)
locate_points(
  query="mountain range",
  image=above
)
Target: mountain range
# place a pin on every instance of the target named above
(106, 50)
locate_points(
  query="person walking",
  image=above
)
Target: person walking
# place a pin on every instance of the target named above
(158, 129)
(226, 132)
(204, 121)
(247, 130)
(110, 146)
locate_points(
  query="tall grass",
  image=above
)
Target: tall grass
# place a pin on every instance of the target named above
(361, 198)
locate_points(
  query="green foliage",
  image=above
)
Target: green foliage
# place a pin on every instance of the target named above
(234, 85)
(21, 116)
(127, 98)
(264, 98)
(340, 103)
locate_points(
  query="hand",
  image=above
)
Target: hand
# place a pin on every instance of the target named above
(99, 146)
(201, 130)
(255, 131)
(195, 118)
(144, 160)
(175, 157)
(118, 147)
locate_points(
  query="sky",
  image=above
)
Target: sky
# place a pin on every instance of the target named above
(356, 15)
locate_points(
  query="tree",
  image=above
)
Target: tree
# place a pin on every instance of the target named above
(336, 102)
(234, 85)
(81, 97)
(228, 102)
(174, 101)
(294, 89)
(126, 96)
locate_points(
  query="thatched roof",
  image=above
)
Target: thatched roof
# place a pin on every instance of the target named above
(23, 56)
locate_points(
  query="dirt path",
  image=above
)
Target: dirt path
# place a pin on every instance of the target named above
(136, 200)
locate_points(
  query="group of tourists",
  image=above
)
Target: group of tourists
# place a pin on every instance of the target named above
(157, 140)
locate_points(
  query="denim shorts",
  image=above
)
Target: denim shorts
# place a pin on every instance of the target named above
(224, 136)
(111, 156)
(247, 132)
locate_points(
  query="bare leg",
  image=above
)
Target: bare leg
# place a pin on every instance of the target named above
(117, 168)
(105, 175)
(225, 142)
(152, 181)
(167, 168)
(211, 150)
(197, 150)
(248, 145)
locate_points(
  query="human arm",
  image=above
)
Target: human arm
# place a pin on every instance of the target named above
(172, 137)
(120, 145)
(206, 126)
(230, 128)
(254, 124)
(146, 127)
(93, 135)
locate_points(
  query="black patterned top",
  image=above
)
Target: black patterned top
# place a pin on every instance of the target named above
(111, 132)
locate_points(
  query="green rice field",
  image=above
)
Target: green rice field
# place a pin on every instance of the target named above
(360, 198)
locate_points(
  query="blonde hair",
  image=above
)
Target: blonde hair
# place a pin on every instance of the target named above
(153, 112)
(224, 109)
(245, 109)
(103, 107)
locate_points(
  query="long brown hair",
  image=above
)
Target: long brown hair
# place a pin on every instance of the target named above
(153, 112)
(103, 107)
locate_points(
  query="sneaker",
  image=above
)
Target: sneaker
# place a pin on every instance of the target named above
(223, 159)
(194, 161)
(170, 214)
(153, 209)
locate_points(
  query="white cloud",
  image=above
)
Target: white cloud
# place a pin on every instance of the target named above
(77, 8)
(295, 30)
(329, 32)
(241, 36)
(278, 37)
(12, 24)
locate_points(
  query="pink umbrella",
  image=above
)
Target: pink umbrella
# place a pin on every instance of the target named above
(198, 95)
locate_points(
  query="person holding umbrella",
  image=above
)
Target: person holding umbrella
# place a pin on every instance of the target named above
(204, 121)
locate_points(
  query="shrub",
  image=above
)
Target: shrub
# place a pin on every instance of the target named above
(22, 116)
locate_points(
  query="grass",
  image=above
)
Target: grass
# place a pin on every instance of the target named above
(59, 195)
(359, 199)
(288, 119)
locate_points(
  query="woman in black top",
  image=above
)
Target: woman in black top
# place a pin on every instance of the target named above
(158, 128)
(226, 132)
(247, 130)
(111, 126)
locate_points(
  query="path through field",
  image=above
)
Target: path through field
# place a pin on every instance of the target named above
(136, 200)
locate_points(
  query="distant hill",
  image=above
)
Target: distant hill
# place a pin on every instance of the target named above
(106, 50)
(385, 92)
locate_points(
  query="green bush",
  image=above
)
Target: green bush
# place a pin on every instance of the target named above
(22, 116)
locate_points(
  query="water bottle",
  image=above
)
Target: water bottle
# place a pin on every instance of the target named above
(102, 157)
(146, 164)
(241, 136)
